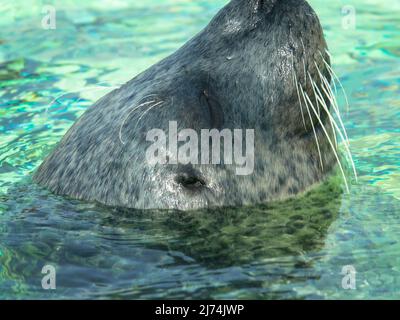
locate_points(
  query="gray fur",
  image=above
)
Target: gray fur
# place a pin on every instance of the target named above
(243, 61)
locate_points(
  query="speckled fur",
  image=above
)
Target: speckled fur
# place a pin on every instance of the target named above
(243, 60)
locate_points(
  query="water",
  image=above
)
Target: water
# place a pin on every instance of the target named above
(291, 250)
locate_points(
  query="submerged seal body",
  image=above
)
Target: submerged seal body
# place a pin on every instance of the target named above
(259, 65)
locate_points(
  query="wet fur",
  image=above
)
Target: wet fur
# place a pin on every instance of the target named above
(236, 73)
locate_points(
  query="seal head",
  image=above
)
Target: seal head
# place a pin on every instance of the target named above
(258, 65)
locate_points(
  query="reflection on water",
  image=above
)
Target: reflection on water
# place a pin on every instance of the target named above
(294, 249)
(95, 249)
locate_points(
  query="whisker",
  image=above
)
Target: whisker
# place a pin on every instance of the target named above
(333, 101)
(147, 111)
(346, 145)
(323, 103)
(313, 128)
(319, 111)
(298, 94)
(130, 113)
(330, 73)
(328, 53)
(79, 91)
(331, 144)
(340, 84)
(304, 63)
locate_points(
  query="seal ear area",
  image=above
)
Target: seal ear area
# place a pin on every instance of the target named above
(210, 102)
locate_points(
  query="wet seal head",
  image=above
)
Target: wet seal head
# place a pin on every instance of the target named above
(259, 65)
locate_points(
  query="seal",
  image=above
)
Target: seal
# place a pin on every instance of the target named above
(259, 64)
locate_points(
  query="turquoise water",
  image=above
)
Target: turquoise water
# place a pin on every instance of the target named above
(291, 250)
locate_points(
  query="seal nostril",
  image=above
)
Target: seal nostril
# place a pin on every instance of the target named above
(189, 181)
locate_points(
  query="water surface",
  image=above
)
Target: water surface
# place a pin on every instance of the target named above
(290, 250)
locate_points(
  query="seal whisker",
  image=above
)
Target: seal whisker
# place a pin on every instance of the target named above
(79, 91)
(143, 114)
(147, 111)
(331, 97)
(330, 72)
(149, 102)
(346, 145)
(313, 128)
(323, 105)
(129, 114)
(327, 52)
(344, 138)
(333, 73)
(330, 142)
(304, 63)
(295, 82)
(333, 101)
(335, 105)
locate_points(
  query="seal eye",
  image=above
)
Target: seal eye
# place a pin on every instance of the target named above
(214, 108)
(189, 181)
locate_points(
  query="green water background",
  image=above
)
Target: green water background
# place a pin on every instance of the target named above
(295, 250)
